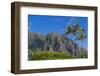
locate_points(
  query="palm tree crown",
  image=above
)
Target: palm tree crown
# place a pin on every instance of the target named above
(68, 30)
(81, 35)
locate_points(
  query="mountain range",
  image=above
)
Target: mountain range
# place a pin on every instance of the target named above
(53, 42)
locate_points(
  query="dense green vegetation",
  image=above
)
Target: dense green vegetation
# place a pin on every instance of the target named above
(50, 55)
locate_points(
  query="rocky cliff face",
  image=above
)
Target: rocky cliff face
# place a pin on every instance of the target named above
(53, 42)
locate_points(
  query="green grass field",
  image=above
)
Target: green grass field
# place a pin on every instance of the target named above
(49, 55)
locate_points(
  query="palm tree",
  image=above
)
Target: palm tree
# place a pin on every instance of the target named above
(72, 30)
(81, 36)
(68, 31)
(75, 31)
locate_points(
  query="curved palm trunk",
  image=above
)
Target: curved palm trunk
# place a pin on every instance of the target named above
(78, 49)
(82, 48)
(71, 46)
(70, 43)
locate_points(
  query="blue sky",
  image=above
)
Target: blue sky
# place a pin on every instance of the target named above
(44, 24)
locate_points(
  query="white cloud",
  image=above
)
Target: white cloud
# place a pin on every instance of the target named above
(70, 21)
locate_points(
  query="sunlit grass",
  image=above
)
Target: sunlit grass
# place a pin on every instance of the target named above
(50, 55)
